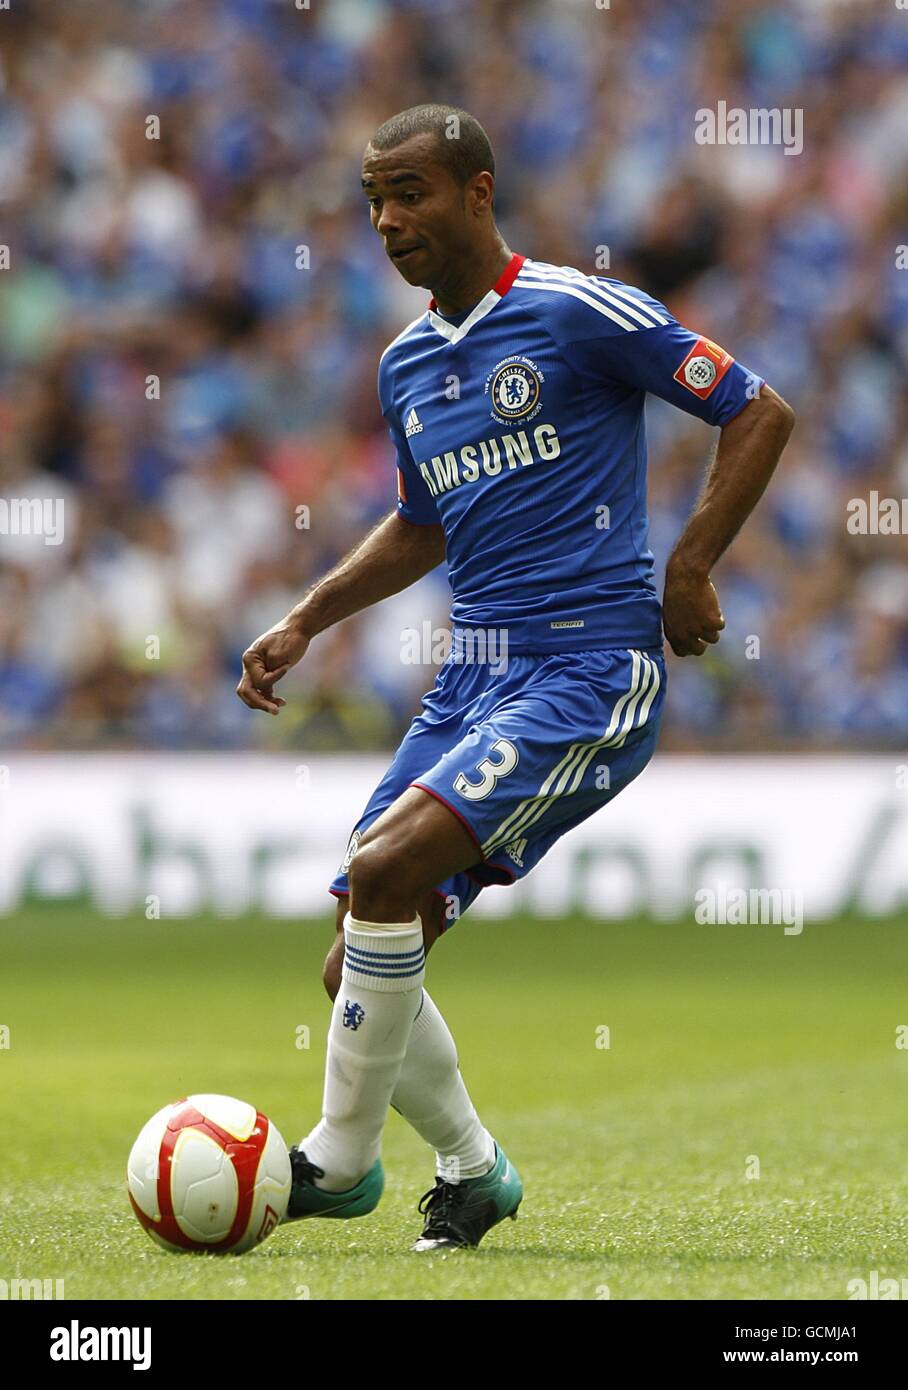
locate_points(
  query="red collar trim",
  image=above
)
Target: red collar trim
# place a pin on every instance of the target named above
(504, 281)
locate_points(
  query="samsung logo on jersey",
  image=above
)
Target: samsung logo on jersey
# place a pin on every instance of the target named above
(490, 457)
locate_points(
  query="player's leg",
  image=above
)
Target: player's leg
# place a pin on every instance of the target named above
(475, 1186)
(430, 1093)
(403, 855)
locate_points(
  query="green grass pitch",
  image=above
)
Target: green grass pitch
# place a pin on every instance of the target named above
(729, 1045)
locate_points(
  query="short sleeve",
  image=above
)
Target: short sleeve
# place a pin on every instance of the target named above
(414, 501)
(661, 356)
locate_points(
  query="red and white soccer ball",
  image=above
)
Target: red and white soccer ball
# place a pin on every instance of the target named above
(209, 1173)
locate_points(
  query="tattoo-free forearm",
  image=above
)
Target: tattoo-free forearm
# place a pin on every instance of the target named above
(748, 451)
(390, 558)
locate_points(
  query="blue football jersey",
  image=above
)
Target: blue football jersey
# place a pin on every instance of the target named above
(519, 428)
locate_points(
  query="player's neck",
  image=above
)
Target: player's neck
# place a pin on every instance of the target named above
(467, 285)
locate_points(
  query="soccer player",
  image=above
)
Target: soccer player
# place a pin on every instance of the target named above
(515, 404)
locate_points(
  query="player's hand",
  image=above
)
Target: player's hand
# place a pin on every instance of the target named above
(266, 661)
(691, 615)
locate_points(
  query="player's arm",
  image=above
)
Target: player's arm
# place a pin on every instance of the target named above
(392, 557)
(749, 448)
(640, 344)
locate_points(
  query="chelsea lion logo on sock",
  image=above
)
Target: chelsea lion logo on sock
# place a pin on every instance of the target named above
(353, 1015)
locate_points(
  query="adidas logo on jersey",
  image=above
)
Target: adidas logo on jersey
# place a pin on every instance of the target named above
(412, 425)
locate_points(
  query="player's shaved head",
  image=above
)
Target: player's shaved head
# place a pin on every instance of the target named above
(462, 145)
(428, 176)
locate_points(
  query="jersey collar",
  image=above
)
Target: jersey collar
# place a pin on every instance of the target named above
(486, 305)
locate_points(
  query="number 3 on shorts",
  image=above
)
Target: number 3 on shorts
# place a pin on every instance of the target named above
(491, 771)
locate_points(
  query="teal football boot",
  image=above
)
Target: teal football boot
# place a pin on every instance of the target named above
(458, 1214)
(308, 1200)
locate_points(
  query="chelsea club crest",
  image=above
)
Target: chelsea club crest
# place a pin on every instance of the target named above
(515, 388)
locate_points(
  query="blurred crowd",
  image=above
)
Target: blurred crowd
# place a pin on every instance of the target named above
(203, 400)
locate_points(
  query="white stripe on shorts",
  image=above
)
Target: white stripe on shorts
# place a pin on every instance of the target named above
(579, 755)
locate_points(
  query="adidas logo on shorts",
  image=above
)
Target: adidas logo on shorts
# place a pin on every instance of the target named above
(515, 851)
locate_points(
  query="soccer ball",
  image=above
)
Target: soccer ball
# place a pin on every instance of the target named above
(209, 1173)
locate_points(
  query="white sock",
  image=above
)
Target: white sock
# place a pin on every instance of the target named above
(431, 1095)
(379, 996)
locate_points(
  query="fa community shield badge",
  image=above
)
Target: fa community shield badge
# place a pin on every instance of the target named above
(515, 388)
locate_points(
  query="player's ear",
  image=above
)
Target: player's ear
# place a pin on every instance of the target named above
(481, 193)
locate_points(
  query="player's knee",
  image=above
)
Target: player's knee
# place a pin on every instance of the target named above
(380, 876)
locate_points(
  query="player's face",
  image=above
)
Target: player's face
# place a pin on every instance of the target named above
(418, 209)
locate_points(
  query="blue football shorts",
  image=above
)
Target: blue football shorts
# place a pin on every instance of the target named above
(522, 754)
